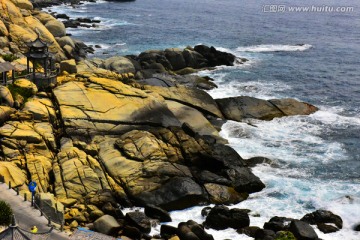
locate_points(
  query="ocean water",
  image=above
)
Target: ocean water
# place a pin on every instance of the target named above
(310, 56)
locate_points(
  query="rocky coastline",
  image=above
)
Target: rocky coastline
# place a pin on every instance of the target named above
(136, 130)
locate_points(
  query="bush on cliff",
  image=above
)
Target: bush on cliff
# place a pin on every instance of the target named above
(5, 213)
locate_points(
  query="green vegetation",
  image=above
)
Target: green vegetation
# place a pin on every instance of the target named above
(284, 235)
(5, 213)
(9, 57)
(23, 92)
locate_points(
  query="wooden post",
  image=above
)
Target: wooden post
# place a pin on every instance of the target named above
(17, 191)
(25, 197)
(9, 184)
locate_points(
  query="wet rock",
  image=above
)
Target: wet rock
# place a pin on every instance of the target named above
(205, 211)
(178, 193)
(265, 234)
(357, 227)
(278, 224)
(139, 220)
(327, 228)
(252, 162)
(215, 57)
(249, 231)
(238, 108)
(323, 216)
(167, 231)
(191, 230)
(132, 232)
(153, 211)
(302, 230)
(221, 217)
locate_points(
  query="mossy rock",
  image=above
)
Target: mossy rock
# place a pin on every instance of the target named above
(284, 235)
(24, 88)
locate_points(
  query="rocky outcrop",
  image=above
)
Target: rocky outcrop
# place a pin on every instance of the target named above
(238, 108)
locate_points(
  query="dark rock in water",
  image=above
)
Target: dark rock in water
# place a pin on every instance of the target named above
(139, 220)
(167, 231)
(132, 232)
(278, 224)
(264, 234)
(357, 228)
(302, 230)
(252, 162)
(323, 216)
(191, 230)
(153, 211)
(62, 15)
(176, 59)
(215, 57)
(205, 211)
(178, 193)
(221, 217)
(244, 180)
(249, 231)
(326, 228)
(238, 108)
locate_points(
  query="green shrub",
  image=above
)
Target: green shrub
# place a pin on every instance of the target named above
(5, 213)
(9, 57)
(284, 235)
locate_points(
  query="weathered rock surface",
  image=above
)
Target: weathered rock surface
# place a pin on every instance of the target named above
(238, 108)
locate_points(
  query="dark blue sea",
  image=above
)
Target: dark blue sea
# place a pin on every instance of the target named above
(311, 55)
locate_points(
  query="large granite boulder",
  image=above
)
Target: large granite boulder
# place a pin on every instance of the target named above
(56, 28)
(119, 65)
(106, 106)
(238, 108)
(5, 113)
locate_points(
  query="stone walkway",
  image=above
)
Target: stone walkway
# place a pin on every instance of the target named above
(25, 215)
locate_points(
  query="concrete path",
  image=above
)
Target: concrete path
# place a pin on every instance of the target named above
(26, 216)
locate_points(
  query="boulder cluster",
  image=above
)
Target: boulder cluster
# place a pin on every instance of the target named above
(132, 131)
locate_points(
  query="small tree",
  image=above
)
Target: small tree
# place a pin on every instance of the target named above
(5, 213)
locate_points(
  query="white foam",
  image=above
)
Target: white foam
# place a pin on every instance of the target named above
(274, 48)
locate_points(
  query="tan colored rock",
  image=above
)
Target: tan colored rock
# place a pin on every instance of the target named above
(4, 42)
(5, 96)
(68, 66)
(10, 10)
(109, 106)
(119, 65)
(292, 107)
(66, 40)
(5, 113)
(41, 108)
(191, 97)
(74, 177)
(193, 118)
(44, 17)
(3, 29)
(56, 28)
(24, 4)
(220, 194)
(12, 174)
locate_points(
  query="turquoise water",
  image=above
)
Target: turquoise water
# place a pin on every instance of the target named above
(311, 56)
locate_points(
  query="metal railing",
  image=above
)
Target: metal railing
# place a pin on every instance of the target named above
(45, 210)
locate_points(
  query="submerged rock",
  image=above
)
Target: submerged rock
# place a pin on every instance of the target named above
(221, 217)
